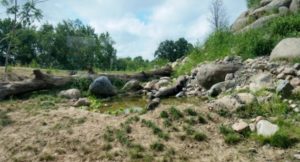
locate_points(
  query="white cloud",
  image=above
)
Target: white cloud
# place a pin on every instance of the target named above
(138, 26)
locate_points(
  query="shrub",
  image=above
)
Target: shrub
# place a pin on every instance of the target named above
(230, 136)
(199, 136)
(157, 146)
(81, 83)
(202, 120)
(164, 114)
(175, 114)
(4, 119)
(190, 112)
(253, 3)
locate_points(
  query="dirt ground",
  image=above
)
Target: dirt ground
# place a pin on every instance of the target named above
(72, 134)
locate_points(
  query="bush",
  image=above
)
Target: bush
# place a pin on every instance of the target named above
(253, 3)
(199, 136)
(230, 136)
(175, 114)
(157, 146)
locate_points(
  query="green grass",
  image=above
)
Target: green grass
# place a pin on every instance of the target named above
(164, 114)
(157, 146)
(257, 42)
(230, 136)
(155, 129)
(4, 119)
(175, 114)
(190, 112)
(199, 136)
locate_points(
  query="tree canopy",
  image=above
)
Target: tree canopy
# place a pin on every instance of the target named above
(173, 50)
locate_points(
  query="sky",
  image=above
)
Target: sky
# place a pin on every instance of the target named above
(138, 26)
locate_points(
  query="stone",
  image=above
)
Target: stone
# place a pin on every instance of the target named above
(295, 82)
(218, 88)
(297, 110)
(240, 126)
(252, 127)
(161, 83)
(150, 85)
(210, 74)
(261, 22)
(289, 71)
(261, 81)
(295, 6)
(287, 49)
(264, 2)
(102, 87)
(234, 102)
(229, 77)
(281, 76)
(82, 102)
(296, 66)
(266, 129)
(297, 156)
(283, 10)
(132, 85)
(70, 94)
(180, 94)
(284, 88)
(153, 104)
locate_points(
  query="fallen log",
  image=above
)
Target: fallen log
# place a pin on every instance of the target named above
(40, 82)
(43, 81)
(172, 91)
(142, 76)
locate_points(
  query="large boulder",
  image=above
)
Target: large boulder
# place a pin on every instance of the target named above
(102, 87)
(218, 88)
(241, 22)
(287, 49)
(266, 129)
(210, 74)
(132, 85)
(295, 6)
(259, 22)
(284, 88)
(275, 4)
(70, 94)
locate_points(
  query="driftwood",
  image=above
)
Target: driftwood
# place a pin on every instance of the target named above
(45, 81)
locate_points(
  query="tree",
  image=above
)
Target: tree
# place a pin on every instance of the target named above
(25, 14)
(172, 51)
(218, 16)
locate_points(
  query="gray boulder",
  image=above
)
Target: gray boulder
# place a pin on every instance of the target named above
(266, 129)
(259, 22)
(132, 85)
(102, 87)
(295, 6)
(210, 74)
(284, 88)
(287, 49)
(82, 102)
(218, 88)
(70, 94)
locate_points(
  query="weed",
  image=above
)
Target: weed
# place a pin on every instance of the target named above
(167, 123)
(157, 146)
(230, 136)
(199, 136)
(201, 119)
(175, 114)
(190, 112)
(109, 134)
(155, 129)
(164, 114)
(4, 119)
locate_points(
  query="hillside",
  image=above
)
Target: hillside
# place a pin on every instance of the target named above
(234, 98)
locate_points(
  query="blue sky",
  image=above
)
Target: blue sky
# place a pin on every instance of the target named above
(138, 26)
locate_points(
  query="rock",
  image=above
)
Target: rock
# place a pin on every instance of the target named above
(70, 94)
(102, 87)
(261, 81)
(297, 156)
(132, 85)
(240, 126)
(297, 110)
(161, 83)
(295, 6)
(270, 6)
(265, 2)
(229, 77)
(297, 66)
(234, 102)
(296, 91)
(218, 88)
(289, 71)
(210, 74)
(82, 102)
(252, 127)
(287, 49)
(153, 104)
(172, 91)
(284, 88)
(261, 22)
(266, 129)
(295, 82)
(150, 85)
(180, 94)
(283, 10)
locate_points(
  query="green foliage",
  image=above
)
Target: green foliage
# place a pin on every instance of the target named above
(201, 119)
(175, 114)
(157, 146)
(279, 139)
(199, 136)
(155, 129)
(190, 112)
(253, 3)
(230, 136)
(249, 44)
(164, 114)
(172, 51)
(81, 83)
